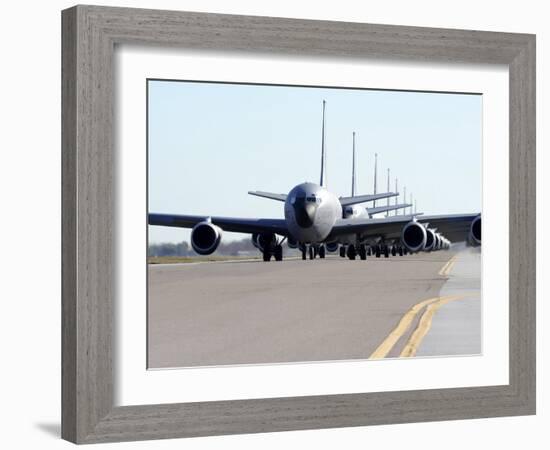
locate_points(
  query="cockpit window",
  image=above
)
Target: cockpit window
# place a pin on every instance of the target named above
(313, 199)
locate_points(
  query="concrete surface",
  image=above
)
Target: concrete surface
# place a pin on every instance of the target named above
(333, 309)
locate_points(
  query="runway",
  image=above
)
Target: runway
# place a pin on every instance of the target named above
(253, 312)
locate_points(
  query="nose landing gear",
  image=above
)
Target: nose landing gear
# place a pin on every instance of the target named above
(311, 251)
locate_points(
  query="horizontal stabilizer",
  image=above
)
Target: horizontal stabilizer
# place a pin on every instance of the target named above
(381, 209)
(346, 201)
(270, 195)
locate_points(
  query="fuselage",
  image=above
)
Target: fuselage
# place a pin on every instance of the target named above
(310, 212)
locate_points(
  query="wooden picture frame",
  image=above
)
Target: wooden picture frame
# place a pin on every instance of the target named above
(89, 37)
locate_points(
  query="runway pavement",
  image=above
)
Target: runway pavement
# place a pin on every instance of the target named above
(334, 309)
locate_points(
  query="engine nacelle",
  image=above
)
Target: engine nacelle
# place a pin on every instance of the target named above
(475, 232)
(205, 238)
(264, 241)
(332, 246)
(437, 244)
(413, 236)
(431, 240)
(291, 242)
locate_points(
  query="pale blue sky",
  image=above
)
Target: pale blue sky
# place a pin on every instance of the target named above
(211, 143)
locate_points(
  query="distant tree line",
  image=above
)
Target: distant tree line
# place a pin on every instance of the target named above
(183, 248)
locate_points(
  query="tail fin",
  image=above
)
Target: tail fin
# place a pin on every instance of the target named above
(323, 180)
(396, 190)
(388, 205)
(353, 168)
(375, 181)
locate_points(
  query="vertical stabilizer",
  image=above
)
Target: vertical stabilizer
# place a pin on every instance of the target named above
(388, 213)
(404, 199)
(375, 180)
(353, 168)
(323, 180)
(396, 191)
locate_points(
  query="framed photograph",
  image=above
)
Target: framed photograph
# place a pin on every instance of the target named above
(276, 224)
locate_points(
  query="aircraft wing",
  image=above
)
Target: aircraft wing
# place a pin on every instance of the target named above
(454, 227)
(346, 201)
(232, 224)
(381, 209)
(270, 195)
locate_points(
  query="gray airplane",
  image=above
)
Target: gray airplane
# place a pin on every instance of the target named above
(314, 217)
(349, 245)
(353, 245)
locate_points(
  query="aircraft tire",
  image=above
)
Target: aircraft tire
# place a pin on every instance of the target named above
(400, 251)
(342, 251)
(322, 252)
(351, 252)
(393, 250)
(304, 254)
(267, 255)
(386, 251)
(362, 252)
(311, 252)
(378, 251)
(278, 253)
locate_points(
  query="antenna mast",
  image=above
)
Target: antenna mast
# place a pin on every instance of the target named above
(404, 199)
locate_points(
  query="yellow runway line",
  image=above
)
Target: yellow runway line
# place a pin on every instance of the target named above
(424, 325)
(446, 269)
(385, 347)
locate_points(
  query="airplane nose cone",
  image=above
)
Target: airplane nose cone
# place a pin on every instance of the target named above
(304, 213)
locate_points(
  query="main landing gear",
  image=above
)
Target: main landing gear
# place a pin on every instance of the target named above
(342, 251)
(276, 252)
(351, 251)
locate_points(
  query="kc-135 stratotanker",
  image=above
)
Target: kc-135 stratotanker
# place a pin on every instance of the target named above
(316, 221)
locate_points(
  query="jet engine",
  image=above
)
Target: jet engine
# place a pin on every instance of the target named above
(332, 246)
(413, 236)
(475, 232)
(291, 242)
(205, 238)
(431, 240)
(438, 242)
(264, 241)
